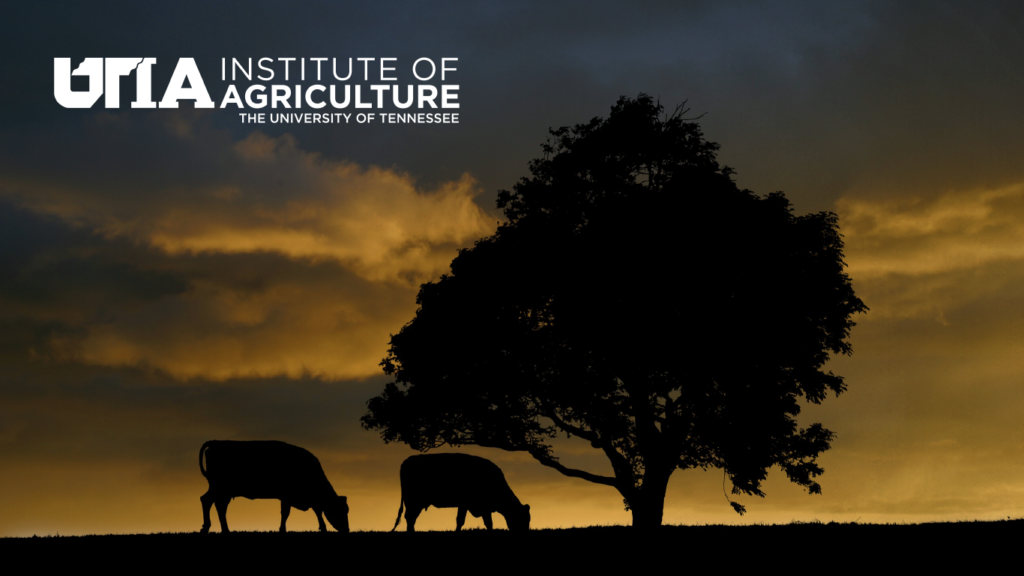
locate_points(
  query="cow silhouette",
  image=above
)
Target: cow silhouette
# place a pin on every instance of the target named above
(268, 469)
(469, 483)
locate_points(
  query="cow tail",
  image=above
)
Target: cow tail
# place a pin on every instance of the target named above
(401, 505)
(201, 450)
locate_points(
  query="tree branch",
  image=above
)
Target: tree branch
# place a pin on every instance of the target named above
(588, 435)
(541, 454)
(619, 464)
(552, 462)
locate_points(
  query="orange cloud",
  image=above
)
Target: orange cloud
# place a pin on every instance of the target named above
(915, 237)
(293, 264)
(267, 195)
(325, 325)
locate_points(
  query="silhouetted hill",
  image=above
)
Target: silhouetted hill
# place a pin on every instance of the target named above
(795, 548)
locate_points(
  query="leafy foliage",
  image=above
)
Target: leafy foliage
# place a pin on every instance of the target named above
(638, 299)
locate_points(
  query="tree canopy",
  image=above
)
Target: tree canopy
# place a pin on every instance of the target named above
(638, 299)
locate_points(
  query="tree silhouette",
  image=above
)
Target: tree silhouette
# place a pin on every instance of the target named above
(638, 299)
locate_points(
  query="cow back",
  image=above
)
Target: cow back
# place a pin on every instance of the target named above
(267, 469)
(455, 481)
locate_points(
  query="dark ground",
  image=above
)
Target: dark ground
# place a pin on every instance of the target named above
(786, 549)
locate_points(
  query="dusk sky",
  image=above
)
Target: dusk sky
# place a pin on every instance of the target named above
(169, 277)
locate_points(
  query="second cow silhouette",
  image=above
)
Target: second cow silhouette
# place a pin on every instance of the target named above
(469, 483)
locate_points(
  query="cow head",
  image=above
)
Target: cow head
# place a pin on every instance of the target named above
(518, 519)
(337, 513)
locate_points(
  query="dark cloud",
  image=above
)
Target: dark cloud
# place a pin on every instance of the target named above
(816, 99)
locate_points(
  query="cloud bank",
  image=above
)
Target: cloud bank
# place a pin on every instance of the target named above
(265, 259)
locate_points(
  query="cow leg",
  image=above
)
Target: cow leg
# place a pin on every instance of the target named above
(460, 519)
(487, 521)
(320, 519)
(222, 513)
(411, 513)
(207, 500)
(286, 509)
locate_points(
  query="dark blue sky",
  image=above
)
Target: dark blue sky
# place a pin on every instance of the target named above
(807, 97)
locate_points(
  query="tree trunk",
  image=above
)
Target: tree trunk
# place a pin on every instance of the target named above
(647, 515)
(648, 503)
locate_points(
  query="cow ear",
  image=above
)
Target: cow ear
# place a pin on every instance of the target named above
(526, 507)
(344, 499)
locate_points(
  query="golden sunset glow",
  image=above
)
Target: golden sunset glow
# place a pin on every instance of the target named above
(172, 276)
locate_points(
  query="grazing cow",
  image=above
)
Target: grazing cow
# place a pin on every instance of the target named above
(469, 483)
(268, 469)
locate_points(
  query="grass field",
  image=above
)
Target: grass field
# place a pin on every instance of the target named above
(791, 548)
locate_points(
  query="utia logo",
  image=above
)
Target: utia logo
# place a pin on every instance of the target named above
(104, 80)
